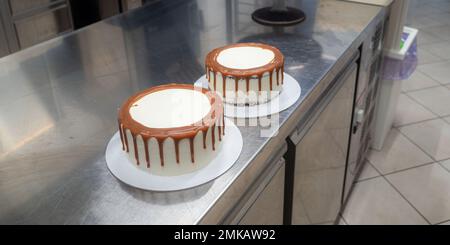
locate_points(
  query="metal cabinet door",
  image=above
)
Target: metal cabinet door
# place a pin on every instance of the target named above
(27, 22)
(18, 7)
(262, 195)
(321, 156)
(43, 26)
(4, 49)
(268, 207)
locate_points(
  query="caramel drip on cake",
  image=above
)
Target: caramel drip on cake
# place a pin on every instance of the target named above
(224, 85)
(236, 84)
(271, 78)
(191, 147)
(204, 132)
(136, 154)
(121, 135)
(212, 65)
(223, 124)
(278, 76)
(147, 157)
(177, 134)
(259, 82)
(247, 80)
(177, 149)
(161, 150)
(213, 137)
(215, 81)
(125, 138)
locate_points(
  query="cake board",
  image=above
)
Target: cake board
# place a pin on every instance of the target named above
(125, 170)
(288, 96)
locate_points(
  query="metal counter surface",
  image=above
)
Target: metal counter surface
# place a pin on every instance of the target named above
(59, 103)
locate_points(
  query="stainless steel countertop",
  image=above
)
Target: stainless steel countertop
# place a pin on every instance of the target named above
(59, 102)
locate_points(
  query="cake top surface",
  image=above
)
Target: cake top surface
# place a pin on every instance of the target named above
(245, 57)
(170, 108)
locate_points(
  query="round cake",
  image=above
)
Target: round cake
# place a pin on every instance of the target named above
(245, 73)
(172, 129)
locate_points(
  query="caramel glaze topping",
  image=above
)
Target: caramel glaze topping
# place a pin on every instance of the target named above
(214, 118)
(277, 65)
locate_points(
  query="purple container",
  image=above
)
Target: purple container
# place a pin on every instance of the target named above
(395, 69)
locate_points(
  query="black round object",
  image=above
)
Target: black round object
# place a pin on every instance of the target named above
(268, 16)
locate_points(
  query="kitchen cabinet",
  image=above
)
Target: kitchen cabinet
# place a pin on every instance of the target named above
(27, 23)
(18, 7)
(39, 28)
(88, 185)
(321, 146)
(268, 207)
(364, 111)
(263, 203)
(4, 50)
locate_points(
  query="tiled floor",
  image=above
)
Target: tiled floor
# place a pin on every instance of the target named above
(408, 181)
(418, 81)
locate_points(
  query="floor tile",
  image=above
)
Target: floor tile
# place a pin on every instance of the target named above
(447, 119)
(426, 57)
(438, 71)
(446, 164)
(409, 111)
(328, 223)
(423, 22)
(446, 223)
(398, 153)
(424, 9)
(342, 222)
(427, 189)
(442, 32)
(436, 99)
(427, 38)
(431, 136)
(441, 49)
(443, 18)
(376, 202)
(368, 172)
(417, 81)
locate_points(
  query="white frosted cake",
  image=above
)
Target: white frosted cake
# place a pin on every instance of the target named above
(245, 73)
(172, 129)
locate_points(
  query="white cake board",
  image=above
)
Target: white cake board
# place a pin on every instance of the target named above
(289, 95)
(122, 168)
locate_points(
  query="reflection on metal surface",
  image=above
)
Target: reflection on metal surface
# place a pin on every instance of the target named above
(78, 82)
(364, 111)
(321, 158)
(26, 140)
(27, 103)
(329, 57)
(22, 6)
(269, 202)
(264, 193)
(4, 47)
(30, 22)
(42, 27)
(299, 67)
(278, 15)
